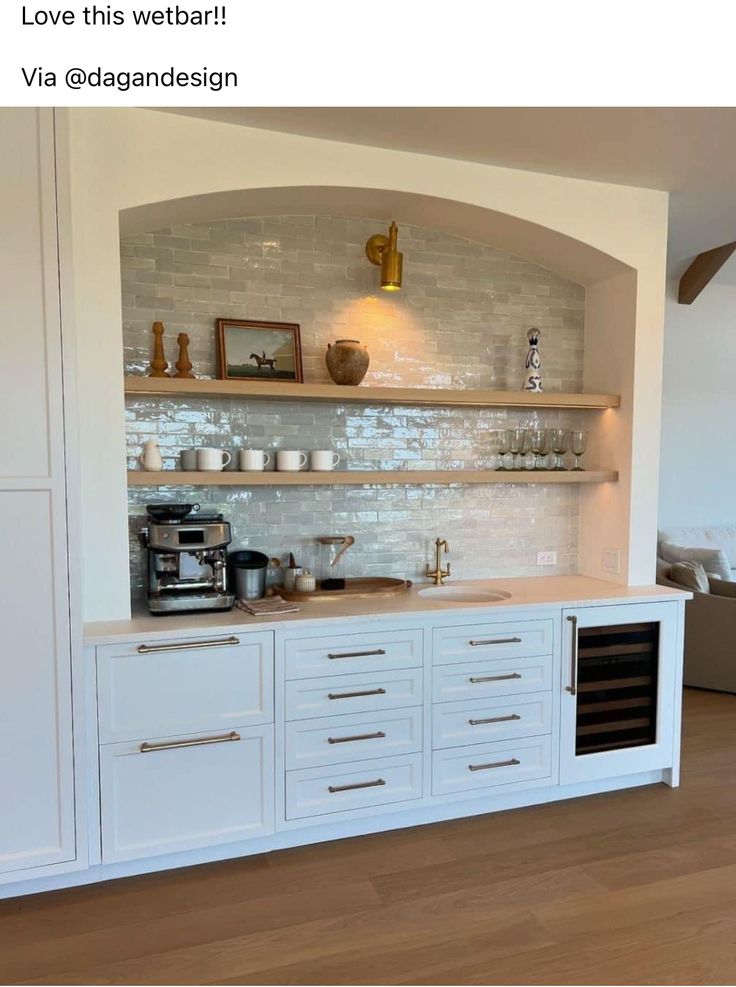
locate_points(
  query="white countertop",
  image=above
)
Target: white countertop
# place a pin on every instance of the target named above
(540, 591)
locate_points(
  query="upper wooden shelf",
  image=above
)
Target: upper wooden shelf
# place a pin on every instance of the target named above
(439, 397)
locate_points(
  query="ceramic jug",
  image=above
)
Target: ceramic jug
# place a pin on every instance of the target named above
(347, 361)
(150, 458)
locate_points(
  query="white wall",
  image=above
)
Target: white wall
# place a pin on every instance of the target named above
(698, 464)
(123, 159)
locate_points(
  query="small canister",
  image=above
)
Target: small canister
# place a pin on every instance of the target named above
(305, 582)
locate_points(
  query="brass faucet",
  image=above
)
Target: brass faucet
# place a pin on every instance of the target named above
(439, 574)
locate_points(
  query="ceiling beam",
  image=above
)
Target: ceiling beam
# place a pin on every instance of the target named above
(702, 270)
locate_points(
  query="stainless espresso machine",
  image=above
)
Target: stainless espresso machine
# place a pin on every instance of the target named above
(187, 560)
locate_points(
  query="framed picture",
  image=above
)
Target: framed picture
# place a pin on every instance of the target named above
(249, 349)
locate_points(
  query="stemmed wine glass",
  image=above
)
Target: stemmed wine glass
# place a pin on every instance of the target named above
(517, 439)
(578, 445)
(539, 445)
(559, 440)
(503, 442)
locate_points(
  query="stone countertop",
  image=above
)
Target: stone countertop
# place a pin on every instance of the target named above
(525, 593)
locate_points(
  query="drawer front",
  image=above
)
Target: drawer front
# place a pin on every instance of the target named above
(184, 797)
(484, 680)
(320, 791)
(485, 766)
(458, 724)
(333, 739)
(207, 686)
(484, 642)
(353, 693)
(345, 654)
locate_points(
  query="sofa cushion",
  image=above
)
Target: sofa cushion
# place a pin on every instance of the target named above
(713, 560)
(723, 538)
(690, 575)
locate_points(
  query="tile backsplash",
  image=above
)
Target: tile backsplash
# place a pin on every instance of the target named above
(459, 321)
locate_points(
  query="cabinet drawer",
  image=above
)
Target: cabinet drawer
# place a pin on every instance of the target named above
(332, 739)
(164, 689)
(481, 642)
(484, 766)
(319, 791)
(457, 724)
(170, 798)
(483, 680)
(353, 693)
(343, 654)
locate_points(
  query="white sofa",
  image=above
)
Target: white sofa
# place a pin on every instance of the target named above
(718, 538)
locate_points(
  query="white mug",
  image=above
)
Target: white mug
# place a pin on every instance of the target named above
(212, 460)
(321, 460)
(287, 459)
(254, 459)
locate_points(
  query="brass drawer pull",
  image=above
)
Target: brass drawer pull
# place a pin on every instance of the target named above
(498, 640)
(358, 654)
(351, 788)
(356, 695)
(495, 719)
(378, 735)
(173, 744)
(149, 649)
(494, 764)
(493, 678)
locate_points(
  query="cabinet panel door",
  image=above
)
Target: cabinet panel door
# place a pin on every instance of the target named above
(186, 792)
(620, 686)
(36, 755)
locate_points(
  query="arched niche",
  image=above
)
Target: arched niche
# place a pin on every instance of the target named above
(558, 252)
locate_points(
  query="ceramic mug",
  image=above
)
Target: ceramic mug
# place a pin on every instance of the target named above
(254, 460)
(188, 459)
(212, 460)
(321, 460)
(290, 460)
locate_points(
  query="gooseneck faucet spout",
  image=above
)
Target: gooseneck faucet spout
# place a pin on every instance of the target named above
(438, 574)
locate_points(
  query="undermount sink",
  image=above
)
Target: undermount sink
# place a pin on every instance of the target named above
(462, 594)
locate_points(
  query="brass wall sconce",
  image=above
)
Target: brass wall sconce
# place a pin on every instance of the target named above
(382, 251)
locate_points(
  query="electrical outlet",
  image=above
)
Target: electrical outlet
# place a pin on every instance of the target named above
(546, 558)
(611, 561)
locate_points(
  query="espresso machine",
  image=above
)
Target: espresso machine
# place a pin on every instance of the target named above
(187, 560)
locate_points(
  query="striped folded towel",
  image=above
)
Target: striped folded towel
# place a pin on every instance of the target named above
(268, 605)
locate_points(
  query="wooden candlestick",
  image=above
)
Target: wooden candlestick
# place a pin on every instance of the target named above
(158, 363)
(184, 364)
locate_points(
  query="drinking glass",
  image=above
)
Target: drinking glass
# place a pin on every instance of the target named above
(559, 440)
(503, 441)
(578, 445)
(539, 445)
(518, 440)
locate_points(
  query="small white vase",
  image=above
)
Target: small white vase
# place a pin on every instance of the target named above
(150, 458)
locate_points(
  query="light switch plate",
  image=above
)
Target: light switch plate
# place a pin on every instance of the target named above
(611, 561)
(546, 558)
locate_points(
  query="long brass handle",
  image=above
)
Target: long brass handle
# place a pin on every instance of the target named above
(495, 719)
(358, 654)
(199, 742)
(356, 695)
(378, 735)
(494, 764)
(351, 788)
(572, 688)
(498, 640)
(149, 649)
(493, 678)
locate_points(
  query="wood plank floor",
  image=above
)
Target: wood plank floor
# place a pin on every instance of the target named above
(635, 887)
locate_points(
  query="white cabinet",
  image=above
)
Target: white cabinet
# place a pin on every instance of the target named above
(37, 818)
(621, 684)
(184, 793)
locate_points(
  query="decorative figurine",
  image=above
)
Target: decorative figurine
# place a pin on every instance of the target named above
(184, 364)
(158, 363)
(533, 364)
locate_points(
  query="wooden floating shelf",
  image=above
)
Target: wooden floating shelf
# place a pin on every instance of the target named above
(272, 478)
(436, 397)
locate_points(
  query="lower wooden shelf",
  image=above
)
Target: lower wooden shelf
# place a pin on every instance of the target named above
(179, 478)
